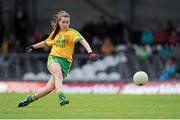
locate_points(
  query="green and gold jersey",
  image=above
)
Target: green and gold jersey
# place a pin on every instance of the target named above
(63, 44)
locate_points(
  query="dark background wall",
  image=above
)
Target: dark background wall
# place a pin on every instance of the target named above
(138, 13)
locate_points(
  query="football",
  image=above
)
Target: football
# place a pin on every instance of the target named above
(140, 78)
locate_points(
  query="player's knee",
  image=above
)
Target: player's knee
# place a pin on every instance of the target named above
(58, 76)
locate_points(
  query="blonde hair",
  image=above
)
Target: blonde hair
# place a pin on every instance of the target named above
(56, 19)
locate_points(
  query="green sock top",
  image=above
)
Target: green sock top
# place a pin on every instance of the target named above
(60, 94)
(34, 97)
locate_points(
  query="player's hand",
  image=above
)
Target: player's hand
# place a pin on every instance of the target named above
(93, 56)
(29, 49)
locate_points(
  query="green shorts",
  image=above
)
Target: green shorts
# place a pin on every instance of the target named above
(65, 65)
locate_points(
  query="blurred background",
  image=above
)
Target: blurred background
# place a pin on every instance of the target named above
(129, 35)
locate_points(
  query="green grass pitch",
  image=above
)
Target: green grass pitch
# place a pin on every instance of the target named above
(89, 106)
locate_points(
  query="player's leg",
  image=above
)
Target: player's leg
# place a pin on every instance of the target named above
(45, 90)
(50, 86)
(55, 70)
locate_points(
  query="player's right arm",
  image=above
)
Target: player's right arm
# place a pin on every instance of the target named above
(42, 44)
(29, 49)
(46, 43)
(39, 45)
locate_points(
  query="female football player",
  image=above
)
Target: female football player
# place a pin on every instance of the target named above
(62, 40)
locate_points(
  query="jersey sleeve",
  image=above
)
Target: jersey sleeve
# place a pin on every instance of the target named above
(77, 37)
(49, 42)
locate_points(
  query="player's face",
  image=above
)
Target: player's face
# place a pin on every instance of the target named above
(64, 23)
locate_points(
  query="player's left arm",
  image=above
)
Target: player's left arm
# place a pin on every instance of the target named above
(86, 45)
(92, 56)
